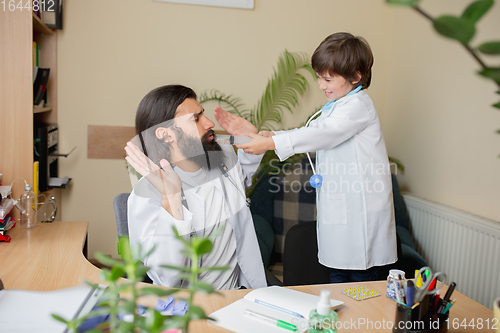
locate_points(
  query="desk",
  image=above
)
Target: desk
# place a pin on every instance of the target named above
(47, 257)
(50, 257)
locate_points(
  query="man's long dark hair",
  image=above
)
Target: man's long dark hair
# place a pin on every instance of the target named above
(158, 107)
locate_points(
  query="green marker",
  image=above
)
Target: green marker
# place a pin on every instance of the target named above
(270, 320)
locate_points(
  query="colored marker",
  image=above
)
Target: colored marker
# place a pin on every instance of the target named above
(418, 282)
(450, 290)
(449, 306)
(275, 307)
(447, 296)
(271, 320)
(437, 297)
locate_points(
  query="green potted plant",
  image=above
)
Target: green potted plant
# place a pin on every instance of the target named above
(115, 306)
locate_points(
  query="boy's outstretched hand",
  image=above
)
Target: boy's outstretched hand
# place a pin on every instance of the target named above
(232, 124)
(259, 144)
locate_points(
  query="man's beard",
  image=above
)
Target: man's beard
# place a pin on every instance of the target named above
(213, 156)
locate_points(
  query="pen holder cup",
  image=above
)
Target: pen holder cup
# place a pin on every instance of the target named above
(408, 321)
(496, 312)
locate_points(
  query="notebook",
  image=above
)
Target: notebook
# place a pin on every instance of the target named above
(232, 316)
(30, 311)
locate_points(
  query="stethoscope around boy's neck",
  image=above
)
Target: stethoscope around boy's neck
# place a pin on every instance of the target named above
(317, 180)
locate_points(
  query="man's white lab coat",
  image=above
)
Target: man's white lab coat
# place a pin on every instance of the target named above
(151, 225)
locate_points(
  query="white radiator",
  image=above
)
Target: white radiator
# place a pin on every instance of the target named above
(463, 245)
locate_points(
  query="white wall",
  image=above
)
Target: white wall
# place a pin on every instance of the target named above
(111, 53)
(438, 118)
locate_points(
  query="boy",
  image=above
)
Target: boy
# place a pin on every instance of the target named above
(355, 225)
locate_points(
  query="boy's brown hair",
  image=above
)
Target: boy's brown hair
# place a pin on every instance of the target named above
(343, 54)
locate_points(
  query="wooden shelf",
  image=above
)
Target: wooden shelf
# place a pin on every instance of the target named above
(39, 27)
(17, 115)
(44, 109)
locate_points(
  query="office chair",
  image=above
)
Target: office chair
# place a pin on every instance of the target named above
(120, 207)
(300, 257)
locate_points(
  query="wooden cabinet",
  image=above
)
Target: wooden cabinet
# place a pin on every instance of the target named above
(18, 30)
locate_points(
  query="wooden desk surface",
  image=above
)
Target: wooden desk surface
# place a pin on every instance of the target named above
(47, 257)
(50, 257)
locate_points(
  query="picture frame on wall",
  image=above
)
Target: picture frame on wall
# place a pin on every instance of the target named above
(244, 4)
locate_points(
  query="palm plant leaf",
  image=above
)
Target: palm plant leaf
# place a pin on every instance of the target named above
(282, 90)
(228, 102)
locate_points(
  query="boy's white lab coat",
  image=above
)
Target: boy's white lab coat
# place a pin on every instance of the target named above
(356, 226)
(151, 225)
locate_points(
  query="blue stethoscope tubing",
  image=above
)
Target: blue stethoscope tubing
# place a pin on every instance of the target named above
(317, 180)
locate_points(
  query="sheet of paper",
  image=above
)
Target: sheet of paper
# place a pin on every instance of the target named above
(30, 311)
(232, 316)
(289, 299)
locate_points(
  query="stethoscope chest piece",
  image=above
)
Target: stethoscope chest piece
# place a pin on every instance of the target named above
(316, 181)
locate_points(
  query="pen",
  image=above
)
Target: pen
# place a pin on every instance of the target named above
(270, 320)
(450, 290)
(401, 287)
(272, 306)
(396, 289)
(410, 292)
(447, 296)
(449, 306)
(401, 303)
(437, 297)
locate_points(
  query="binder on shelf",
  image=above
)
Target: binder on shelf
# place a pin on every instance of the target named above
(34, 53)
(40, 84)
(36, 165)
(52, 14)
(35, 72)
(38, 52)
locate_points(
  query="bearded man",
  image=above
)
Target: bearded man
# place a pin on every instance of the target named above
(193, 183)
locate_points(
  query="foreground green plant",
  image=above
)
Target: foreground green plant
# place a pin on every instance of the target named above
(121, 296)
